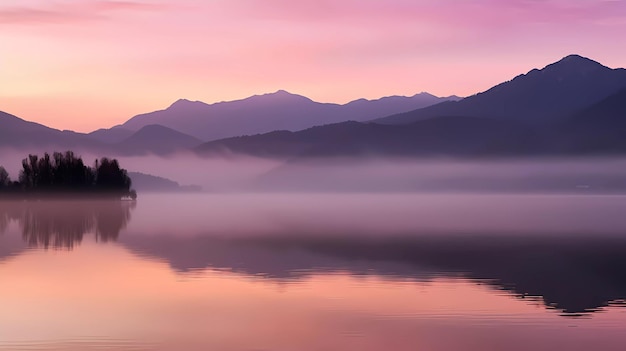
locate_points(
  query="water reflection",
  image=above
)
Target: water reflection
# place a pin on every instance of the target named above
(62, 224)
(575, 275)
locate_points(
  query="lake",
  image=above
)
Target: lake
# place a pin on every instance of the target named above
(321, 272)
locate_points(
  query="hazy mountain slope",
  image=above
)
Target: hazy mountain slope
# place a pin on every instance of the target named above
(156, 139)
(597, 128)
(149, 183)
(265, 113)
(361, 109)
(610, 112)
(112, 135)
(540, 96)
(459, 136)
(18, 133)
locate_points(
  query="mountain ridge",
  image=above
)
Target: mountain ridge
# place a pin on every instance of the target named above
(575, 106)
(157, 139)
(536, 97)
(261, 113)
(570, 106)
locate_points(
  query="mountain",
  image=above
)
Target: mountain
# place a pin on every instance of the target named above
(600, 127)
(538, 97)
(18, 133)
(149, 183)
(597, 129)
(443, 136)
(573, 107)
(111, 136)
(611, 111)
(156, 139)
(276, 111)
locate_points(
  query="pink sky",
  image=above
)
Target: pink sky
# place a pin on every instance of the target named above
(86, 64)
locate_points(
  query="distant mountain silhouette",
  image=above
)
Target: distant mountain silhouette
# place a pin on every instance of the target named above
(18, 133)
(458, 136)
(538, 97)
(598, 128)
(149, 183)
(573, 107)
(156, 139)
(111, 136)
(276, 111)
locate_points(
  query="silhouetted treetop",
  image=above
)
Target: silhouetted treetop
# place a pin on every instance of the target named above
(5, 181)
(66, 173)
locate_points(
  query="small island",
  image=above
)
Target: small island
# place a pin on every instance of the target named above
(66, 175)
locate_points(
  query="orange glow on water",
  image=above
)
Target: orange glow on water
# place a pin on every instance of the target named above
(106, 292)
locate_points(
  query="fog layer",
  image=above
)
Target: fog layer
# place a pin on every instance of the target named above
(248, 174)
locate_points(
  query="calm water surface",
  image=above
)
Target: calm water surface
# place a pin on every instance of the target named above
(315, 272)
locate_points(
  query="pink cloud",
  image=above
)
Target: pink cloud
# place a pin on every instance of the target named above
(111, 5)
(70, 12)
(479, 14)
(22, 15)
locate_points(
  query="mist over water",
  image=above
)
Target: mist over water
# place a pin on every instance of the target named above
(377, 214)
(246, 174)
(251, 174)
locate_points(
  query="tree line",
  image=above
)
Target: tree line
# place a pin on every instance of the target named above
(66, 173)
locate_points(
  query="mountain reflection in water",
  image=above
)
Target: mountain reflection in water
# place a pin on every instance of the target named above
(576, 274)
(62, 224)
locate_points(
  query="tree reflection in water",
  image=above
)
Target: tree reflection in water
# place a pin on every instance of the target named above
(62, 224)
(4, 221)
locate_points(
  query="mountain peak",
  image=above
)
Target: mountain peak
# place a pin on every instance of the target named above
(576, 58)
(575, 63)
(280, 95)
(184, 103)
(281, 92)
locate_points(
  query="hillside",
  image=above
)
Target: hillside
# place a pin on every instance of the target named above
(156, 139)
(149, 183)
(459, 136)
(538, 97)
(265, 113)
(18, 133)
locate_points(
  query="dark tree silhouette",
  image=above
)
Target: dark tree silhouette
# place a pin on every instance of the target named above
(110, 178)
(71, 172)
(66, 173)
(5, 181)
